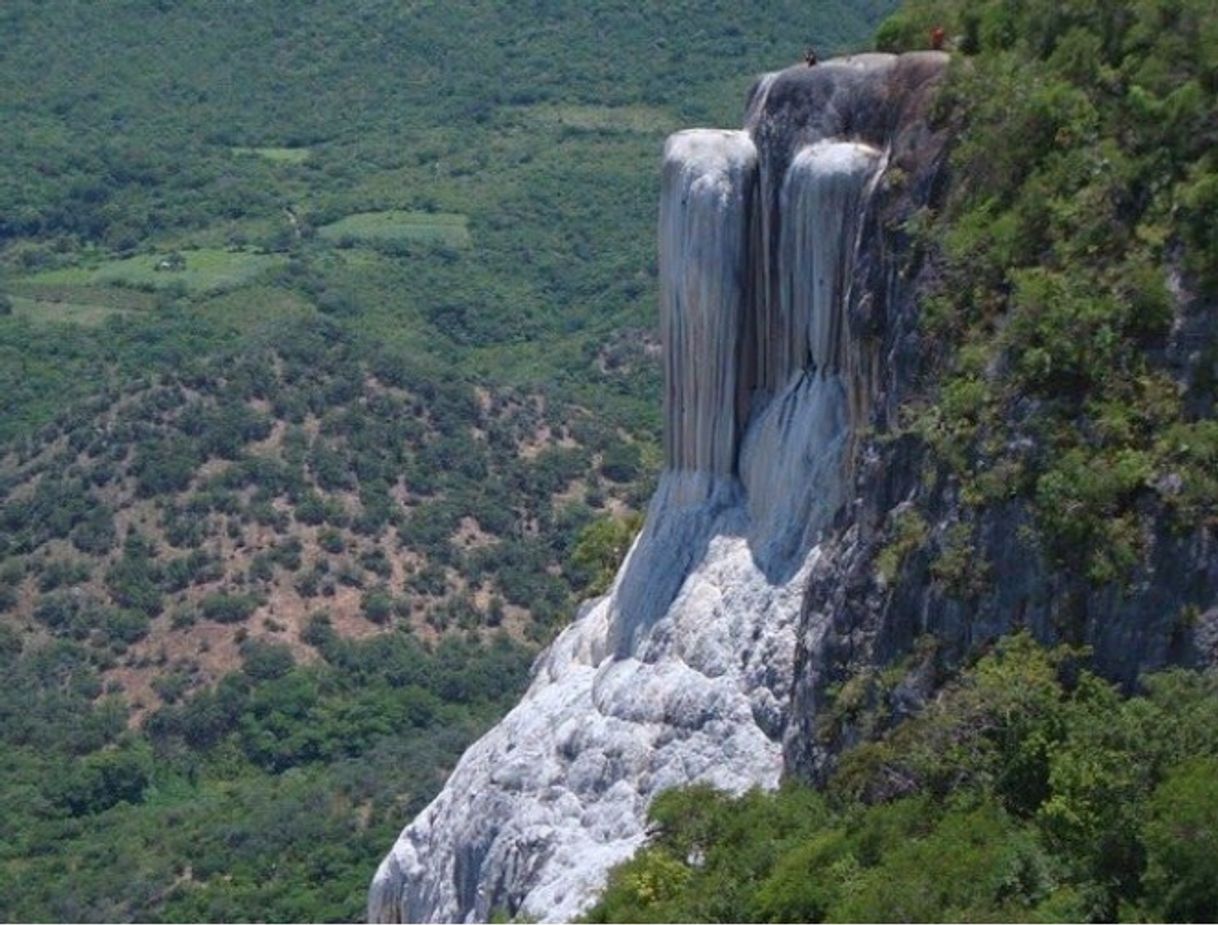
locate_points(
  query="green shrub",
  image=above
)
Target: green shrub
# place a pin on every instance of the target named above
(1181, 837)
(224, 607)
(377, 604)
(598, 551)
(265, 661)
(126, 626)
(621, 462)
(105, 779)
(908, 534)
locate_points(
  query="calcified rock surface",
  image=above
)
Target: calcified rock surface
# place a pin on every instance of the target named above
(708, 190)
(684, 671)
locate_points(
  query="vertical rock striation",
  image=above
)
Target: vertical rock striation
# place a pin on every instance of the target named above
(822, 199)
(709, 183)
(771, 265)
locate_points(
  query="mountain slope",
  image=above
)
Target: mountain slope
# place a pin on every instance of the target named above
(327, 385)
(1044, 457)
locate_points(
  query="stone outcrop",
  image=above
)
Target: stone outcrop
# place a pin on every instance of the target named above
(1163, 614)
(855, 621)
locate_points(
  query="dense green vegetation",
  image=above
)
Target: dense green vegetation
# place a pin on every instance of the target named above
(327, 387)
(271, 796)
(1079, 265)
(247, 129)
(1029, 790)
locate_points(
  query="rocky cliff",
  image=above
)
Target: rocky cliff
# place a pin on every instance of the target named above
(781, 279)
(912, 405)
(858, 620)
(913, 576)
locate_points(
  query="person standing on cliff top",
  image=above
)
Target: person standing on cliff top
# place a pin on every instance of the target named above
(810, 56)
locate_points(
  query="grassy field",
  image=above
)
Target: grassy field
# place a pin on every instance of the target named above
(48, 311)
(252, 309)
(205, 270)
(397, 225)
(277, 155)
(50, 304)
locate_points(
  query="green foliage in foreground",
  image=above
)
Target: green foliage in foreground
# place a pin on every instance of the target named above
(270, 797)
(1030, 790)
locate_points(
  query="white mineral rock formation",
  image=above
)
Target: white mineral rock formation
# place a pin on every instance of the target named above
(682, 672)
(708, 180)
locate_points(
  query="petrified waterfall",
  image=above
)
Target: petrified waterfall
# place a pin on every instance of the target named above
(709, 180)
(683, 672)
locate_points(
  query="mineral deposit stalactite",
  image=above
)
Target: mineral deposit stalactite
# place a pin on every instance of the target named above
(708, 191)
(684, 671)
(822, 200)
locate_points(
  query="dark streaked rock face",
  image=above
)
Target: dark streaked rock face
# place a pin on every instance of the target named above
(771, 250)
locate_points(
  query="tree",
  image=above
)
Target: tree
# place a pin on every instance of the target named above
(599, 550)
(265, 661)
(377, 604)
(228, 608)
(1181, 837)
(621, 462)
(105, 779)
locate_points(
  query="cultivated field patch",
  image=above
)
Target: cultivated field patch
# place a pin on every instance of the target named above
(400, 225)
(48, 311)
(255, 307)
(195, 271)
(278, 155)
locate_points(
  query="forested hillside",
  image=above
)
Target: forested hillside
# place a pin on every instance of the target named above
(328, 385)
(1075, 319)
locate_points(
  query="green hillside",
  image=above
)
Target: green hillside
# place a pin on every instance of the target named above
(1080, 268)
(328, 385)
(540, 123)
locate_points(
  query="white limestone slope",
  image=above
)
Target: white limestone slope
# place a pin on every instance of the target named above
(682, 672)
(539, 809)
